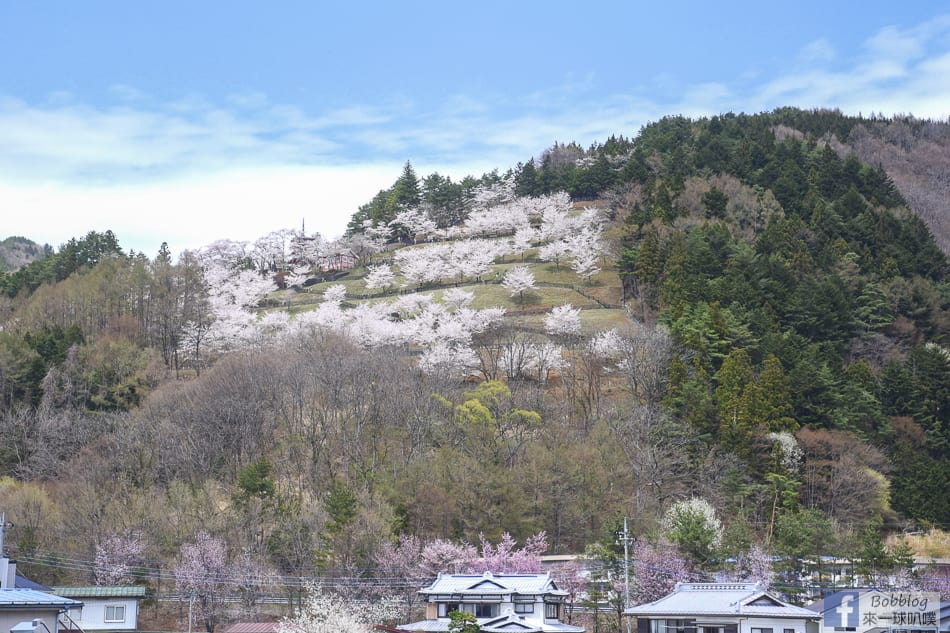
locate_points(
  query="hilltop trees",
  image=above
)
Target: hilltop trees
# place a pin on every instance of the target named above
(405, 194)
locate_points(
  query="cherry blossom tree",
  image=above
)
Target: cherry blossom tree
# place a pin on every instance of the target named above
(506, 557)
(364, 245)
(232, 288)
(472, 258)
(380, 234)
(555, 220)
(755, 565)
(202, 574)
(521, 358)
(563, 321)
(335, 294)
(451, 360)
(230, 254)
(118, 556)
(270, 251)
(494, 194)
(519, 280)
(400, 566)
(327, 612)
(414, 223)
(584, 264)
(544, 359)
(693, 525)
(791, 454)
(443, 556)
(554, 251)
(655, 570)
(479, 321)
(380, 277)
(411, 305)
(572, 578)
(523, 239)
(427, 264)
(306, 251)
(368, 326)
(456, 298)
(497, 220)
(606, 344)
(252, 580)
(936, 578)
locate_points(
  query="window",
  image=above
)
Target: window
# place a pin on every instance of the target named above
(524, 607)
(672, 626)
(789, 630)
(486, 610)
(551, 610)
(760, 630)
(115, 613)
(445, 608)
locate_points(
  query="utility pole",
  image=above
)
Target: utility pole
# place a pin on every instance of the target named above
(627, 539)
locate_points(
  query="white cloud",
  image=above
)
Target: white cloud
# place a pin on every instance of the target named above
(189, 213)
(193, 170)
(818, 51)
(896, 44)
(901, 71)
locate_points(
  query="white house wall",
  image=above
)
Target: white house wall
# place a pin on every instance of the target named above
(9, 618)
(778, 625)
(93, 617)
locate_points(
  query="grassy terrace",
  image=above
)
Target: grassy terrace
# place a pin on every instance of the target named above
(599, 298)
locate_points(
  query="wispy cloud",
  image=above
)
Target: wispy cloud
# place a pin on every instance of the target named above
(897, 70)
(63, 151)
(817, 51)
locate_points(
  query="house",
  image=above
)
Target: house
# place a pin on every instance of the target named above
(722, 608)
(104, 608)
(26, 610)
(519, 603)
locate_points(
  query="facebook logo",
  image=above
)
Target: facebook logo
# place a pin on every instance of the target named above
(841, 610)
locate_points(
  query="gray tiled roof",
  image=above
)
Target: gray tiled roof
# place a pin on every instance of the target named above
(720, 599)
(492, 624)
(489, 583)
(30, 598)
(253, 627)
(22, 582)
(427, 626)
(515, 624)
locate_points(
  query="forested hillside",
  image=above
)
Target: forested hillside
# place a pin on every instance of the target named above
(741, 311)
(16, 252)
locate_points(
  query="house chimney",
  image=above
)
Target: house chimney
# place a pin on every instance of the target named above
(7, 566)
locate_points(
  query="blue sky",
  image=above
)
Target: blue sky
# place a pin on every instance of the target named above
(191, 121)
